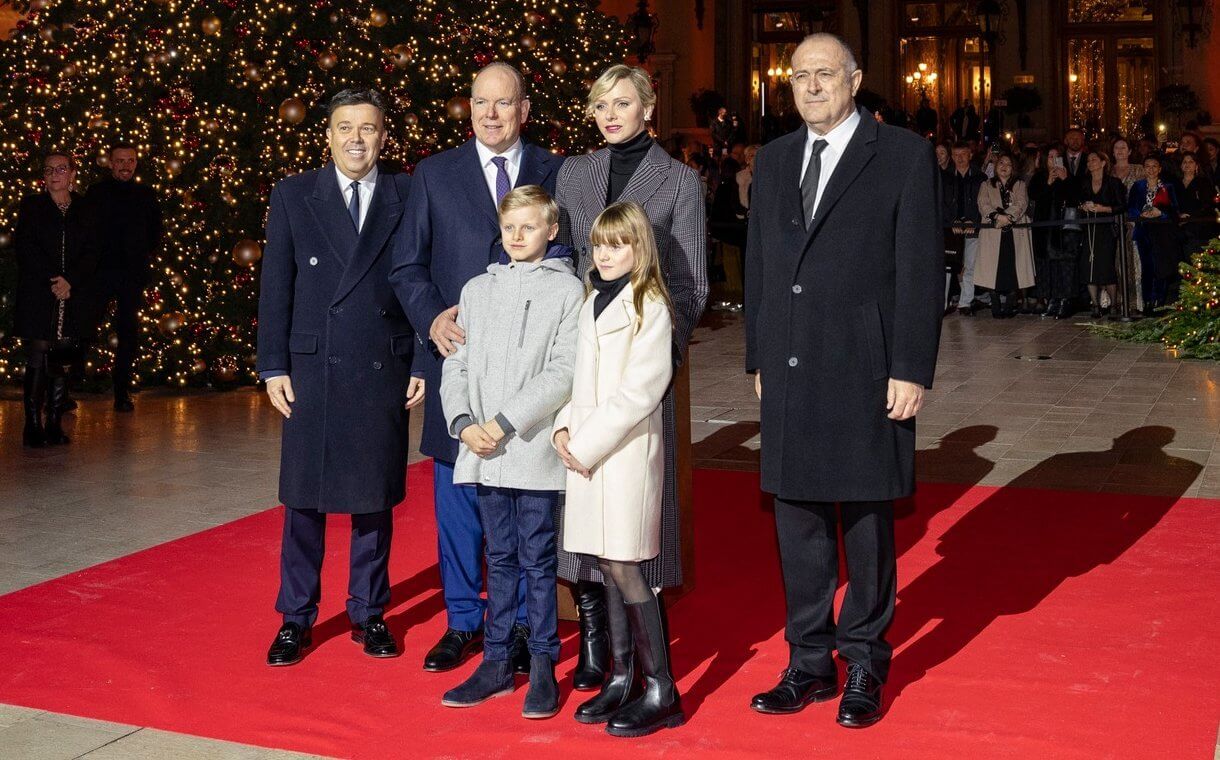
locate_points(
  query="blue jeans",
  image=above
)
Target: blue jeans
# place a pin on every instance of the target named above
(459, 538)
(520, 531)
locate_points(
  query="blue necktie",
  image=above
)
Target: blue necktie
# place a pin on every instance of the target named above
(353, 206)
(503, 183)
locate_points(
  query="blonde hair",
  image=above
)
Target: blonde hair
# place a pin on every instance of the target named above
(612, 76)
(530, 195)
(625, 223)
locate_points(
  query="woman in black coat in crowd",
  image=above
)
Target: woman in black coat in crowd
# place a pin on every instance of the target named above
(1100, 195)
(54, 264)
(1051, 190)
(1196, 206)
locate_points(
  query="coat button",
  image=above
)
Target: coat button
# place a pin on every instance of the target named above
(792, 362)
(313, 261)
(381, 312)
(333, 360)
(796, 289)
(796, 222)
(334, 310)
(376, 365)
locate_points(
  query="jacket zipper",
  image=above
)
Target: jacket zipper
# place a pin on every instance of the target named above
(524, 318)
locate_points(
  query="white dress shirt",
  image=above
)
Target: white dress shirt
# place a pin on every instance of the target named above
(512, 166)
(836, 142)
(368, 183)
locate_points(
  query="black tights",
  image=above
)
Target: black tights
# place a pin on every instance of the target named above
(39, 354)
(628, 578)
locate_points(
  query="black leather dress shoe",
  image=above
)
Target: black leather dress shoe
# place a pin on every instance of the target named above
(289, 645)
(861, 703)
(795, 690)
(375, 637)
(452, 650)
(519, 650)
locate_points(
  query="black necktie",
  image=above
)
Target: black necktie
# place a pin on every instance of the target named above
(809, 184)
(353, 206)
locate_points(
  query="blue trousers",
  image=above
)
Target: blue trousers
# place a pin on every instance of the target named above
(459, 536)
(520, 528)
(301, 550)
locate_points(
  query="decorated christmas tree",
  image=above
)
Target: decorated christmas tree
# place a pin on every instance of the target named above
(225, 97)
(1193, 327)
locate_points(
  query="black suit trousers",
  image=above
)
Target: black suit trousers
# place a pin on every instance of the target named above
(125, 290)
(302, 548)
(809, 555)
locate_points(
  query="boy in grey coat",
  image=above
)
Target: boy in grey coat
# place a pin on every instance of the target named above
(500, 392)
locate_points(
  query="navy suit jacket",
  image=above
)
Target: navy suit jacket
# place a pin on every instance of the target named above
(449, 227)
(329, 318)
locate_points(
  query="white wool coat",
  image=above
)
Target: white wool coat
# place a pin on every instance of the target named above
(614, 419)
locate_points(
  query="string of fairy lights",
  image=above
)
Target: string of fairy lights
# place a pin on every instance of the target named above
(225, 97)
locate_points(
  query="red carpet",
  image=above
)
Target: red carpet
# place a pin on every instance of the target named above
(1031, 624)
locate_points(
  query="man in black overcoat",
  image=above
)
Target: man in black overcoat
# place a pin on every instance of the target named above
(335, 350)
(844, 292)
(126, 222)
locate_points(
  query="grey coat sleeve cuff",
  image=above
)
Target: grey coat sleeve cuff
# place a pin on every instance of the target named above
(461, 423)
(505, 425)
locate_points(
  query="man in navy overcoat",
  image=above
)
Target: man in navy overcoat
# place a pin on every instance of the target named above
(448, 231)
(335, 350)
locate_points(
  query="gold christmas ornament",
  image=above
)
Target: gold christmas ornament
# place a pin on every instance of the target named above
(6, 240)
(211, 125)
(327, 61)
(112, 340)
(528, 41)
(292, 110)
(199, 366)
(254, 73)
(170, 322)
(173, 166)
(210, 25)
(378, 17)
(401, 55)
(559, 67)
(69, 71)
(458, 108)
(410, 119)
(247, 252)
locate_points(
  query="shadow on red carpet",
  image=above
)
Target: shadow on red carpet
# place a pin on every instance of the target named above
(1030, 624)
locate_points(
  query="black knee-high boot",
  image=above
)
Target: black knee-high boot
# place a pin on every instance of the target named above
(35, 394)
(617, 690)
(660, 705)
(57, 392)
(594, 658)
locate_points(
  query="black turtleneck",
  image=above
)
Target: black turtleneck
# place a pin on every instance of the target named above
(624, 158)
(606, 291)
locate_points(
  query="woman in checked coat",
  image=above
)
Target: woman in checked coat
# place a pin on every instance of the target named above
(632, 167)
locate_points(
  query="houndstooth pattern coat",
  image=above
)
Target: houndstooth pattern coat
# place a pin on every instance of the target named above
(672, 196)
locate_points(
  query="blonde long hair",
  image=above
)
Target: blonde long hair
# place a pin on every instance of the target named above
(625, 223)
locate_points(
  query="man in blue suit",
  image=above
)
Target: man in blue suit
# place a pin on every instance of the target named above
(448, 230)
(335, 350)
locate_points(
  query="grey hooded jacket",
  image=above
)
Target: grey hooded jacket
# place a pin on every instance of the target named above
(516, 366)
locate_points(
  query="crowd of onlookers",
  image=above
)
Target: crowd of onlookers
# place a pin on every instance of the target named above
(1033, 228)
(1029, 228)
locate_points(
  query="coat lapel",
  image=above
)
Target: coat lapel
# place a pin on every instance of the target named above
(381, 219)
(618, 314)
(533, 170)
(474, 183)
(860, 150)
(648, 176)
(326, 205)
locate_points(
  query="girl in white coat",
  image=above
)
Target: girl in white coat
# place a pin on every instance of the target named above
(609, 436)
